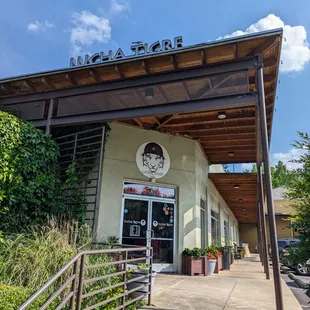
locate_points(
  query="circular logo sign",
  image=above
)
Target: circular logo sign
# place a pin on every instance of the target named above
(153, 160)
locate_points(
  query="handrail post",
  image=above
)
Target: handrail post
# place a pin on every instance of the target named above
(73, 287)
(80, 287)
(125, 278)
(150, 276)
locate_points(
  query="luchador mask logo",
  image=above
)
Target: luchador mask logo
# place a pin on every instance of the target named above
(153, 157)
(153, 160)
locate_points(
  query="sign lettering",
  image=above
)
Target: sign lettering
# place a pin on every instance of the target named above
(138, 49)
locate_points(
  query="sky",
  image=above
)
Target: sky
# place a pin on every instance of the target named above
(42, 35)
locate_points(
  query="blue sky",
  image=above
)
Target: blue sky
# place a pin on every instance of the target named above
(43, 35)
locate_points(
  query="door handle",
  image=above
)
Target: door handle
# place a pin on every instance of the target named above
(152, 234)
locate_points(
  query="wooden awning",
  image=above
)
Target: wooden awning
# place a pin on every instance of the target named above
(182, 82)
(239, 190)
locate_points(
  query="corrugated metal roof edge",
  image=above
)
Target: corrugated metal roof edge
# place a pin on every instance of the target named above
(184, 49)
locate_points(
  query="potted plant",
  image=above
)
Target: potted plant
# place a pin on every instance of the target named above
(217, 253)
(194, 262)
(211, 263)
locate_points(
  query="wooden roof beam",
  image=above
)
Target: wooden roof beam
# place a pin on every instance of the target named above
(265, 46)
(203, 57)
(174, 62)
(29, 85)
(227, 148)
(267, 78)
(140, 81)
(69, 78)
(139, 122)
(157, 120)
(45, 80)
(118, 69)
(94, 75)
(165, 120)
(145, 66)
(7, 87)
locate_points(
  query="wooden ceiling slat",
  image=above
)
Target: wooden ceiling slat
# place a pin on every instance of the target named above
(224, 143)
(225, 137)
(245, 210)
(238, 150)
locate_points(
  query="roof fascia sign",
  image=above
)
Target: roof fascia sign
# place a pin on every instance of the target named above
(138, 48)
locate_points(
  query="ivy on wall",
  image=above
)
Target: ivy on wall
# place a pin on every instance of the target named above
(31, 191)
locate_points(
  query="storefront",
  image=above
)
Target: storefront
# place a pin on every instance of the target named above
(152, 188)
(175, 114)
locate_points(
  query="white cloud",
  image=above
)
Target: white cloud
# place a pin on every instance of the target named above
(39, 26)
(295, 48)
(88, 29)
(287, 157)
(117, 8)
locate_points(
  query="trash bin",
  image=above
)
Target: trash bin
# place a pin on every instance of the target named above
(226, 258)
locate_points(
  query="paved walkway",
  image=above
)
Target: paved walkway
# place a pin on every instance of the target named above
(243, 287)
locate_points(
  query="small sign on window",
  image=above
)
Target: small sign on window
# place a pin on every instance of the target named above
(134, 231)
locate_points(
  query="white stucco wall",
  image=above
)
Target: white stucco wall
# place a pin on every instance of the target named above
(188, 172)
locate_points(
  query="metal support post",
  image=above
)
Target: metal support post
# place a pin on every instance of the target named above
(259, 248)
(267, 173)
(49, 116)
(263, 220)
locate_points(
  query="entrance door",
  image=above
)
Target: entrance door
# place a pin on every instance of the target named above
(150, 222)
(162, 226)
(135, 221)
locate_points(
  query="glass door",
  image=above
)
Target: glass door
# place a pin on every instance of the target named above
(162, 227)
(150, 222)
(135, 221)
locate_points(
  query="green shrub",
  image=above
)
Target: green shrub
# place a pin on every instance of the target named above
(196, 252)
(31, 259)
(28, 261)
(11, 297)
(31, 191)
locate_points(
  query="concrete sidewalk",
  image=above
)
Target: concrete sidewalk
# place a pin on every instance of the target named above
(244, 287)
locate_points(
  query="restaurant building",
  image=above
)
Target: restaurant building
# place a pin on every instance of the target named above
(149, 133)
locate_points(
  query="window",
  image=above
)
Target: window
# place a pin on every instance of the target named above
(203, 222)
(214, 226)
(226, 232)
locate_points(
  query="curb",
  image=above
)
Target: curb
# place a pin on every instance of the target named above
(299, 282)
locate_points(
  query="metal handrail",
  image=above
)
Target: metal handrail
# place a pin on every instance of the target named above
(75, 295)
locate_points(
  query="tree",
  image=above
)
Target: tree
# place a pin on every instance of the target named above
(253, 169)
(280, 175)
(225, 167)
(31, 191)
(299, 193)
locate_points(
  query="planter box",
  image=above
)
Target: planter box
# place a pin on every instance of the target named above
(219, 264)
(192, 265)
